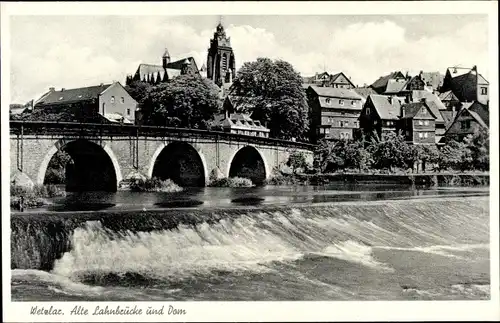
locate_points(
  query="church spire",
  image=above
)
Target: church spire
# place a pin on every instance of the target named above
(165, 58)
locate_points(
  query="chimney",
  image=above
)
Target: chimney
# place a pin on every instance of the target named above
(51, 89)
(62, 89)
(102, 84)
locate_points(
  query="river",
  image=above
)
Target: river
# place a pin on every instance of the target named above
(371, 242)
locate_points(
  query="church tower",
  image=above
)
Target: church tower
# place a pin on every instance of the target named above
(220, 59)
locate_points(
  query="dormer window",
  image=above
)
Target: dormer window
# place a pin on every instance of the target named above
(122, 100)
(112, 99)
(353, 103)
(484, 90)
(328, 100)
(367, 110)
(341, 102)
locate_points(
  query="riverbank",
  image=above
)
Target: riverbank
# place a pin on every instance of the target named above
(419, 179)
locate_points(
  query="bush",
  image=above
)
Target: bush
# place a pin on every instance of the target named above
(280, 180)
(231, 182)
(154, 185)
(34, 197)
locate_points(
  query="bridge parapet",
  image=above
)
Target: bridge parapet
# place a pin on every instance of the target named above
(73, 129)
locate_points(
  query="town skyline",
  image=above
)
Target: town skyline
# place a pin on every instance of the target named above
(363, 47)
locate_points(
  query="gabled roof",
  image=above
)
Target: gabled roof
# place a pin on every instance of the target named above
(477, 117)
(448, 96)
(395, 85)
(433, 101)
(448, 118)
(73, 95)
(180, 63)
(382, 81)
(385, 109)
(332, 92)
(411, 110)
(334, 77)
(364, 92)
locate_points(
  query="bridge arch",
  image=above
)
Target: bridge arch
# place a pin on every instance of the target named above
(181, 162)
(250, 163)
(103, 152)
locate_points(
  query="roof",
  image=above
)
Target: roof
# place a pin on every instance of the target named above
(383, 80)
(73, 95)
(180, 63)
(458, 71)
(448, 96)
(477, 117)
(385, 109)
(411, 109)
(447, 117)
(364, 92)
(336, 92)
(238, 121)
(395, 85)
(148, 71)
(433, 101)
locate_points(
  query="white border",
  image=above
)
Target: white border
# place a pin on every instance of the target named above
(267, 311)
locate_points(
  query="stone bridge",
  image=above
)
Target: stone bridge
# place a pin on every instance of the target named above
(104, 155)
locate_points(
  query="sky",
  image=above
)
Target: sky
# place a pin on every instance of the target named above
(76, 51)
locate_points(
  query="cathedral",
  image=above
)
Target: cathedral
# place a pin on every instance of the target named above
(220, 65)
(220, 59)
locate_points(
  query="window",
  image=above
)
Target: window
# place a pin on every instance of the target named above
(128, 112)
(346, 123)
(465, 124)
(367, 110)
(426, 122)
(420, 122)
(342, 135)
(327, 130)
(426, 134)
(375, 122)
(424, 111)
(328, 100)
(389, 123)
(341, 102)
(122, 100)
(484, 90)
(407, 132)
(353, 103)
(420, 135)
(112, 99)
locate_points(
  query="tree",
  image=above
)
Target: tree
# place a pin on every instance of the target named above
(341, 154)
(296, 160)
(139, 90)
(56, 169)
(478, 146)
(187, 101)
(275, 92)
(427, 154)
(453, 155)
(392, 152)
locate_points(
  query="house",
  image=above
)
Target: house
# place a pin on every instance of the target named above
(450, 100)
(168, 70)
(390, 83)
(467, 84)
(417, 123)
(100, 103)
(435, 105)
(240, 123)
(380, 115)
(339, 80)
(237, 118)
(471, 118)
(334, 112)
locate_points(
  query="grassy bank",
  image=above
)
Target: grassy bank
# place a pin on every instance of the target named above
(33, 197)
(421, 180)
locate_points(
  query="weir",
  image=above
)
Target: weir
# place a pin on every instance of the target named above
(38, 240)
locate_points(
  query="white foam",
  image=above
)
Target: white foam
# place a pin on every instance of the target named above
(354, 252)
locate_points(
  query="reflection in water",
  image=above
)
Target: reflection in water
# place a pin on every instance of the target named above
(179, 203)
(234, 197)
(252, 200)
